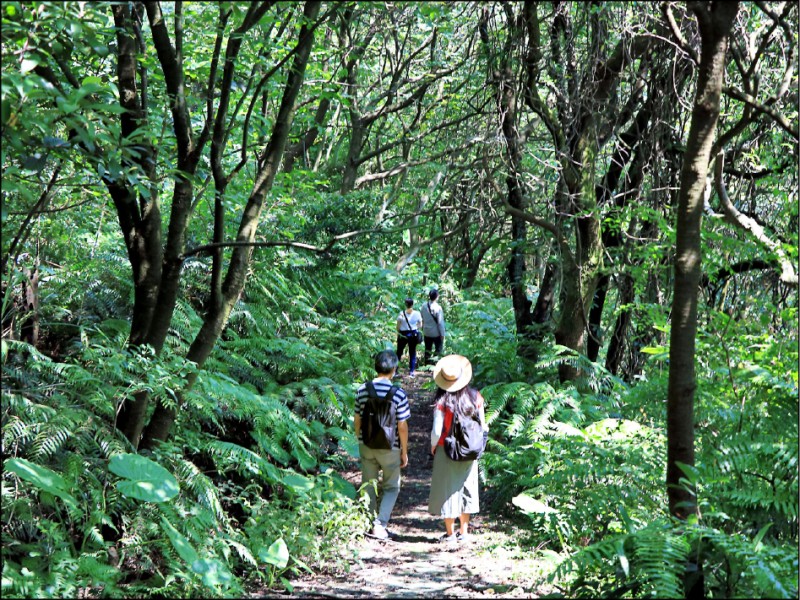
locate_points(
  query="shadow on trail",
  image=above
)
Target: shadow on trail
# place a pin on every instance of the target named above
(414, 564)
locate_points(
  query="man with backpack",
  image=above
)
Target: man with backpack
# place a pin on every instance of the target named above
(381, 426)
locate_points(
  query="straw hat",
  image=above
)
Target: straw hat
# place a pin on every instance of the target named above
(452, 372)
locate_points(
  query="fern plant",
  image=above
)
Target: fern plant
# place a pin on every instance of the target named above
(664, 558)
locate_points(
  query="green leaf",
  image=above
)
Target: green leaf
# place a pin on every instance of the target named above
(28, 64)
(691, 472)
(297, 482)
(349, 444)
(277, 554)
(109, 108)
(144, 479)
(653, 350)
(92, 81)
(179, 542)
(343, 486)
(42, 477)
(760, 536)
(623, 560)
(65, 106)
(623, 513)
(530, 505)
(212, 572)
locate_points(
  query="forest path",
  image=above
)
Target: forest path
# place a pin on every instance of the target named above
(414, 564)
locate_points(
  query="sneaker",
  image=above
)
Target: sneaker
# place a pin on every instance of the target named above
(464, 538)
(411, 375)
(379, 531)
(449, 540)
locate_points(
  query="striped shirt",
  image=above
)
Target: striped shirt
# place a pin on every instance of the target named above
(400, 401)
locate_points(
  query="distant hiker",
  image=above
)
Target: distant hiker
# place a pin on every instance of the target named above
(383, 438)
(432, 325)
(409, 323)
(454, 483)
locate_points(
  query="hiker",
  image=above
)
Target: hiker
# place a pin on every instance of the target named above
(432, 325)
(389, 460)
(454, 484)
(408, 333)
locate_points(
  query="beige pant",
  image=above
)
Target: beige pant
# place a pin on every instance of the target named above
(372, 462)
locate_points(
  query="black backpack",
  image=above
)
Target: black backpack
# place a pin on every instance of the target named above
(466, 439)
(378, 419)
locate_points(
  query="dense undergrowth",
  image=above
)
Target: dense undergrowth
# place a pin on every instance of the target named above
(247, 492)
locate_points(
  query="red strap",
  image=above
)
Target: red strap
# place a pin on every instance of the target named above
(448, 420)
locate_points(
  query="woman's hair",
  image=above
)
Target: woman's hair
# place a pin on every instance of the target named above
(409, 302)
(462, 402)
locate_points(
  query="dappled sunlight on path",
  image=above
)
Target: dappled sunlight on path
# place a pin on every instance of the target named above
(414, 564)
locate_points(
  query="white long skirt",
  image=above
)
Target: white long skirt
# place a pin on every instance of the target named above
(454, 487)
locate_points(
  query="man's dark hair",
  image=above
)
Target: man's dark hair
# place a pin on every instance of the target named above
(434, 294)
(409, 302)
(385, 361)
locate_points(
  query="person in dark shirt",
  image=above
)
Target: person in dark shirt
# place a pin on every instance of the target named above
(432, 326)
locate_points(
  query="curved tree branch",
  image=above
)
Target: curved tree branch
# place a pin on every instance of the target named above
(735, 217)
(781, 120)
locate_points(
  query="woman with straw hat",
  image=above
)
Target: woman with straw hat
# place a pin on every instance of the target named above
(454, 484)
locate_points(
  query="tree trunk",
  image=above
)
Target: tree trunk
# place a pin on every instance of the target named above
(519, 227)
(357, 132)
(715, 20)
(595, 340)
(214, 322)
(581, 274)
(543, 309)
(301, 147)
(616, 345)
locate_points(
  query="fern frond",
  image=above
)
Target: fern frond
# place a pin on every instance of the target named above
(272, 446)
(233, 456)
(499, 395)
(51, 440)
(660, 558)
(243, 552)
(201, 486)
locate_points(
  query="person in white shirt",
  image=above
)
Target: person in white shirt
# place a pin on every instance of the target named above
(432, 326)
(409, 323)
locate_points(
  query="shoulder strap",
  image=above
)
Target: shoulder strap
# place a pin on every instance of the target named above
(390, 394)
(405, 316)
(430, 312)
(453, 418)
(373, 393)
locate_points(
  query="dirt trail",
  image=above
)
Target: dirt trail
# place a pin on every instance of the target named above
(414, 564)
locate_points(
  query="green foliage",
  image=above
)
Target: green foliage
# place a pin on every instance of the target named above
(586, 468)
(312, 527)
(477, 318)
(245, 490)
(73, 453)
(660, 559)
